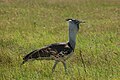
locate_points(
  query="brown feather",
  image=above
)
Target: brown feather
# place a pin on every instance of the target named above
(50, 52)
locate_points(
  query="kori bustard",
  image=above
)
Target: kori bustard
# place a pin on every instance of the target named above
(59, 52)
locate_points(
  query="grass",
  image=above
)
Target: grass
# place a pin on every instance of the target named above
(26, 25)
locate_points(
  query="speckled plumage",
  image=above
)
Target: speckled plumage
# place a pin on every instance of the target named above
(51, 52)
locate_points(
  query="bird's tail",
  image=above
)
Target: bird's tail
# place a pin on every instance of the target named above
(23, 62)
(28, 56)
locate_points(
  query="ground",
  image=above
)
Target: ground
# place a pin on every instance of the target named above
(26, 25)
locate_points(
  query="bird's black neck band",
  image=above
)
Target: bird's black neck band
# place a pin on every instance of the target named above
(70, 46)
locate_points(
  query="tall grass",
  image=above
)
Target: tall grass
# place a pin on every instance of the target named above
(26, 25)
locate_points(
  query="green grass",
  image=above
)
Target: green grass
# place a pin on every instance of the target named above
(26, 25)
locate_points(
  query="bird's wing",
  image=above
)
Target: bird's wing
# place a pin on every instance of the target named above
(48, 51)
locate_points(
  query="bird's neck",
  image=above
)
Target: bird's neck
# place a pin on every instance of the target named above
(72, 38)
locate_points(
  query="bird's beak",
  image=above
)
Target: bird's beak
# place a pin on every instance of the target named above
(82, 21)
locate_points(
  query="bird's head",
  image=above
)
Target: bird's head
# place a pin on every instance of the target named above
(74, 23)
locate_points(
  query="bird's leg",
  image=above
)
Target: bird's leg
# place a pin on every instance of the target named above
(64, 64)
(53, 69)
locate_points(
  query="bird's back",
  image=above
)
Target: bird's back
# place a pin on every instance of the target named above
(50, 52)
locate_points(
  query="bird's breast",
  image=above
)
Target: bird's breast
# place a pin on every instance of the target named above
(62, 57)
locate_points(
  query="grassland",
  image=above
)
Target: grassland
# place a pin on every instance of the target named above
(26, 25)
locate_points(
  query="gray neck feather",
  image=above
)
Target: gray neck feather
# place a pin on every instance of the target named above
(72, 35)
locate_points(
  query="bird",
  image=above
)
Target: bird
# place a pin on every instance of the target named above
(59, 52)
